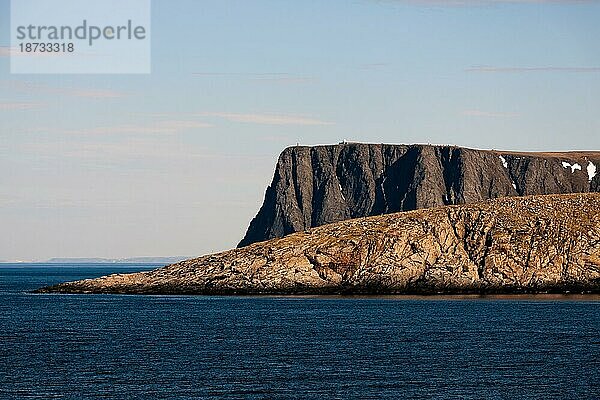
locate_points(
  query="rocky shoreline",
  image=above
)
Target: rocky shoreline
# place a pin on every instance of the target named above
(511, 245)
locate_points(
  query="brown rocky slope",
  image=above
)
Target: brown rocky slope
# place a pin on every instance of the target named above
(510, 245)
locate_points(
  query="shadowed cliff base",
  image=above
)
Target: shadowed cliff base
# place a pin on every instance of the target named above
(533, 244)
(314, 186)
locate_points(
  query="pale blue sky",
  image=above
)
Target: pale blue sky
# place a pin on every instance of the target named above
(176, 162)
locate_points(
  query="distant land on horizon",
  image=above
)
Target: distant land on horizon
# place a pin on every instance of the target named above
(83, 260)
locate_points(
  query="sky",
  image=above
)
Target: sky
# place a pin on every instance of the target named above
(176, 162)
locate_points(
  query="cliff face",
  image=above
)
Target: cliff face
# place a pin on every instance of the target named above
(513, 244)
(313, 186)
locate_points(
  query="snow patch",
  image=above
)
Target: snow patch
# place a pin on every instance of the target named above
(591, 170)
(514, 185)
(504, 163)
(573, 166)
(341, 191)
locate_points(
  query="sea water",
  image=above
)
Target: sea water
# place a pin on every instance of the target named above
(183, 347)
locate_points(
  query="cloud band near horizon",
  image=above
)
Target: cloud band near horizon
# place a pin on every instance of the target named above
(494, 69)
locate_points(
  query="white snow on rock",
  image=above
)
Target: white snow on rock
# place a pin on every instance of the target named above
(514, 185)
(504, 163)
(573, 166)
(591, 170)
(342, 191)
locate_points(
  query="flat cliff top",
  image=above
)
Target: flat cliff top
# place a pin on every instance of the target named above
(514, 244)
(556, 154)
(583, 156)
(567, 153)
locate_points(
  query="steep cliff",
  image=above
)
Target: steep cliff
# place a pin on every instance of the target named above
(313, 186)
(508, 245)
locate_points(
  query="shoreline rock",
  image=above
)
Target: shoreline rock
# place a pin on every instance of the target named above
(532, 244)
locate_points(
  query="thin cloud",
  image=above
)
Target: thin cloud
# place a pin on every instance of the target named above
(6, 51)
(492, 69)
(161, 127)
(490, 114)
(371, 66)
(276, 139)
(466, 3)
(267, 119)
(108, 153)
(243, 74)
(16, 106)
(287, 79)
(93, 93)
(278, 77)
(39, 88)
(112, 151)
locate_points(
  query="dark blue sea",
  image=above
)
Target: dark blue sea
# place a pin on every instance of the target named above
(185, 347)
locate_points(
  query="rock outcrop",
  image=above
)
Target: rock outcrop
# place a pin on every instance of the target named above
(508, 245)
(313, 186)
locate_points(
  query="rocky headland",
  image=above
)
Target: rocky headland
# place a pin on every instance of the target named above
(314, 186)
(531, 244)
